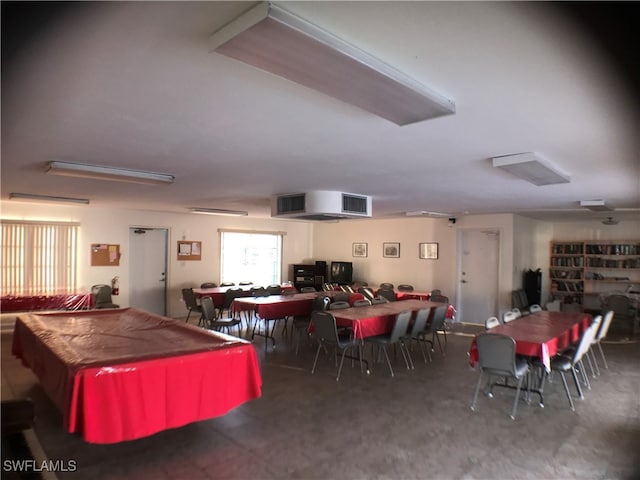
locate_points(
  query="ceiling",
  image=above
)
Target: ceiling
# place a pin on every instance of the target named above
(133, 84)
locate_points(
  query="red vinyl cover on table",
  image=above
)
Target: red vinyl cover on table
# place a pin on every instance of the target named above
(123, 374)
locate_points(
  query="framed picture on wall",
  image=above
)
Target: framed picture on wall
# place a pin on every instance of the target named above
(428, 251)
(391, 250)
(359, 250)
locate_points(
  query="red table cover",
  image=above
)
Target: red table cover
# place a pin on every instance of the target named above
(376, 319)
(123, 374)
(217, 294)
(541, 334)
(31, 303)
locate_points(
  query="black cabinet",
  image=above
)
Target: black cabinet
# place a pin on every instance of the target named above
(532, 285)
(312, 275)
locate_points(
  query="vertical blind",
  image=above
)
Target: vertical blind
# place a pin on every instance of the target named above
(38, 258)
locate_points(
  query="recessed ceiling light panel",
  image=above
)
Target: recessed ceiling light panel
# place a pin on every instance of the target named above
(532, 168)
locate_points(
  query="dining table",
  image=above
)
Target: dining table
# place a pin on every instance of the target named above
(377, 319)
(217, 294)
(123, 374)
(540, 335)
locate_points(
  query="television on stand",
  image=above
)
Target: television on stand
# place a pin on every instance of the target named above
(341, 273)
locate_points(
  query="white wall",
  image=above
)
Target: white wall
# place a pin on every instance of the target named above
(112, 226)
(531, 251)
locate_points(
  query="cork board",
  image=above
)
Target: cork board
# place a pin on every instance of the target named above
(189, 250)
(105, 255)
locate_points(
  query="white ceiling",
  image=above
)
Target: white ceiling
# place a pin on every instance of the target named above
(134, 85)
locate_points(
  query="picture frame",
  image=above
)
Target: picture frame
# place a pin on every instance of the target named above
(391, 249)
(428, 251)
(359, 249)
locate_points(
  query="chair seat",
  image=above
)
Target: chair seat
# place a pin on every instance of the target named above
(522, 366)
(560, 362)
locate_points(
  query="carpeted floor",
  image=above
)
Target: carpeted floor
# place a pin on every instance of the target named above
(416, 425)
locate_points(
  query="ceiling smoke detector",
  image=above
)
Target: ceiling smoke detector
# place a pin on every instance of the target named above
(610, 221)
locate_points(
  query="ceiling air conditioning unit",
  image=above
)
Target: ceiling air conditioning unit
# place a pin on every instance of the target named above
(321, 205)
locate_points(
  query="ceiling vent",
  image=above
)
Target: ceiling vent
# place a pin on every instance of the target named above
(321, 205)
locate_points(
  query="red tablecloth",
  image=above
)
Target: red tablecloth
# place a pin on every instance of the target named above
(542, 334)
(32, 303)
(376, 319)
(123, 374)
(276, 306)
(413, 295)
(217, 294)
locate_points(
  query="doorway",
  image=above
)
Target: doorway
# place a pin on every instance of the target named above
(478, 275)
(148, 268)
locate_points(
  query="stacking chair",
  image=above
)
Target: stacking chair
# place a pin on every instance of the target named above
(326, 333)
(274, 289)
(419, 326)
(435, 292)
(596, 323)
(327, 287)
(491, 322)
(388, 286)
(213, 323)
(535, 308)
(346, 288)
(387, 293)
(438, 298)
(229, 296)
(245, 283)
(191, 303)
(509, 316)
(430, 333)
(208, 285)
(497, 357)
(341, 297)
(405, 288)
(602, 333)
(363, 302)
(307, 289)
(396, 337)
(301, 322)
(227, 284)
(259, 292)
(367, 292)
(517, 311)
(562, 363)
(102, 297)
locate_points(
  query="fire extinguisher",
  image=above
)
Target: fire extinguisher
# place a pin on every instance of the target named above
(115, 285)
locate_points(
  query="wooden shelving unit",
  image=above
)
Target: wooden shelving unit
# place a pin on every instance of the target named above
(581, 271)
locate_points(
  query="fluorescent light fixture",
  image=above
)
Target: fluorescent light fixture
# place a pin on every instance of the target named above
(532, 168)
(425, 213)
(47, 198)
(219, 211)
(99, 172)
(273, 39)
(596, 205)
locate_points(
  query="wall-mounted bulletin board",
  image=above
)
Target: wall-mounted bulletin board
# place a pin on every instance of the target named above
(189, 250)
(105, 255)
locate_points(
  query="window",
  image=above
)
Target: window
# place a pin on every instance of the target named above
(39, 258)
(255, 257)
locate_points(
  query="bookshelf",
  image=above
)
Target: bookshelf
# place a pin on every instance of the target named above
(581, 271)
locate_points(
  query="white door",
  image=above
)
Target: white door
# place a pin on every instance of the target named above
(478, 253)
(148, 286)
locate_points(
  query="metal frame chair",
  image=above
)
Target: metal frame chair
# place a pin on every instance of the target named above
(397, 336)
(491, 322)
(191, 303)
(214, 323)
(497, 357)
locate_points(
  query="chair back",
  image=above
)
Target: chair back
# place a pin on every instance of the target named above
(386, 285)
(101, 295)
(517, 311)
(324, 327)
(585, 342)
(208, 309)
(387, 293)
(245, 283)
(405, 288)
(341, 297)
(274, 289)
(367, 292)
(230, 295)
(327, 287)
(363, 302)
(320, 303)
(497, 353)
(307, 289)
(436, 291)
(189, 298)
(259, 292)
(439, 298)
(378, 300)
(439, 317)
(208, 285)
(491, 322)
(339, 305)
(604, 325)
(420, 322)
(620, 304)
(535, 308)
(227, 284)
(401, 326)
(509, 316)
